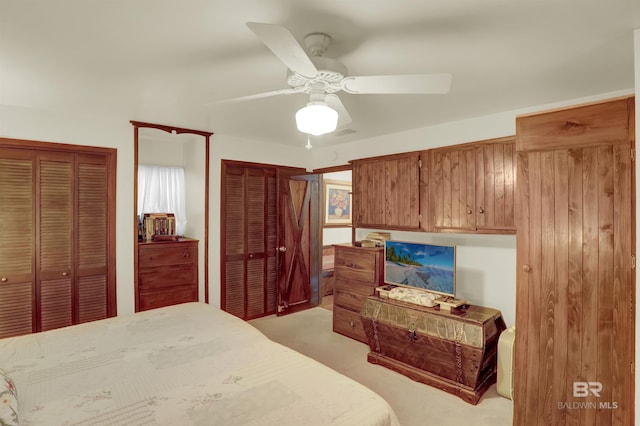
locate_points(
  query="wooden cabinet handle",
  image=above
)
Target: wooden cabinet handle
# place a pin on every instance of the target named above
(526, 268)
(65, 273)
(4, 279)
(380, 211)
(469, 211)
(481, 210)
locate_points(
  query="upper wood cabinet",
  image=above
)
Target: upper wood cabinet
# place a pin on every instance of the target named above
(471, 187)
(386, 191)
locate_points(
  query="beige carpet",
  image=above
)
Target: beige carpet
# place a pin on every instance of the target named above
(310, 332)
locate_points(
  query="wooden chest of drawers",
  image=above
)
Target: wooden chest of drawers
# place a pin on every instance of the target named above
(167, 273)
(357, 272)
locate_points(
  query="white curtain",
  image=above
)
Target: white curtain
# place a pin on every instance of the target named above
(161, 190)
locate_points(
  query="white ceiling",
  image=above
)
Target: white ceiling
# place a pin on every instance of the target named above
(162, 61)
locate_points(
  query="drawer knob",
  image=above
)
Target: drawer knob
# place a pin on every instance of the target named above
(351, 324)
(4, 279)
(65, 273)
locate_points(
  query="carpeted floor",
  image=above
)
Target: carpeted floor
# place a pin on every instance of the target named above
(310, 332)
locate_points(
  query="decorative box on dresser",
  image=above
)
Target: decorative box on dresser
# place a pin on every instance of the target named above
(357, 272)
(167, 273)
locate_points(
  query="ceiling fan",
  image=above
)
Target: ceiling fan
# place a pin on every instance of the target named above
(321, 78)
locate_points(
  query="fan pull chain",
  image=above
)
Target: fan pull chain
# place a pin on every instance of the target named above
(308, 145)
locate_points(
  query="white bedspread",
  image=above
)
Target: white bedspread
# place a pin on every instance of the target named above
(180, 365)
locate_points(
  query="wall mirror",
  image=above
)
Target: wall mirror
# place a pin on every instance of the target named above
(174, 162)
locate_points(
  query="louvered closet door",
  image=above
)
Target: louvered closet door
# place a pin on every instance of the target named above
(92, 244)
(17, 234)
(249, 267)
(55, 225)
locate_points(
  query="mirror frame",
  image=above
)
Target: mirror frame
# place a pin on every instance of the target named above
(173, 130)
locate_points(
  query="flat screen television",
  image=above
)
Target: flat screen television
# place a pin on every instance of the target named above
(425, 266)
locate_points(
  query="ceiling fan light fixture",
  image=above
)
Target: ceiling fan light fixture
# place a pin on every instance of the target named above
(317, 118)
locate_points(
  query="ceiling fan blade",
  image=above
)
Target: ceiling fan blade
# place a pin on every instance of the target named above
(334, 102)
(284, 45)
(398, 84)
(251, 97)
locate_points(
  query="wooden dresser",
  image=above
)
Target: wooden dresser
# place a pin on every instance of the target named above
(167, 273)
(454, 351)
(357, 272)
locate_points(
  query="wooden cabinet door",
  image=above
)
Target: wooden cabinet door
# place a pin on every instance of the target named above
(452, 188)
(54, 261)
(402, 191)
(495, 185)
(17, 242)
(575, 278)
(369, 193)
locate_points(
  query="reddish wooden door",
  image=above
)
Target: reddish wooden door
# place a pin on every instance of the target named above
(574, 346)
(299, 244)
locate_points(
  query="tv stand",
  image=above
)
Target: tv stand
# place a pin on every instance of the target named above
(454, 351)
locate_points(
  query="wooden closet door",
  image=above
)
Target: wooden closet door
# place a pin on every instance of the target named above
(249, 269)
(17, 242)
(91, 225)
(574, 347)
(54, 264)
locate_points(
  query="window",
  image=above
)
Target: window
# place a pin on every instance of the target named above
(161, 190)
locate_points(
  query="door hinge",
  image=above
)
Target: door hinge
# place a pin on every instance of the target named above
(633, 154)
(633, 261)
(420, 163)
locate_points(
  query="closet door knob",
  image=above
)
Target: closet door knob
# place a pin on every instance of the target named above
(526, 268)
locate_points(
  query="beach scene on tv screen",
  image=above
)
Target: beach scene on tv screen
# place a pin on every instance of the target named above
(430, 267)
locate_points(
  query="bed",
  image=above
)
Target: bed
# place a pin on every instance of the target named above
(183, 364)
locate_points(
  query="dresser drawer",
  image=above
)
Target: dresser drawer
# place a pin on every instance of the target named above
(355, 265)
(167, 297)
(166, 276)
(153, 255)
(351, 295)
(348, 323)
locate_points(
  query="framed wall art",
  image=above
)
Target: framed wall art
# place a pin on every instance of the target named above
(337, 203)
